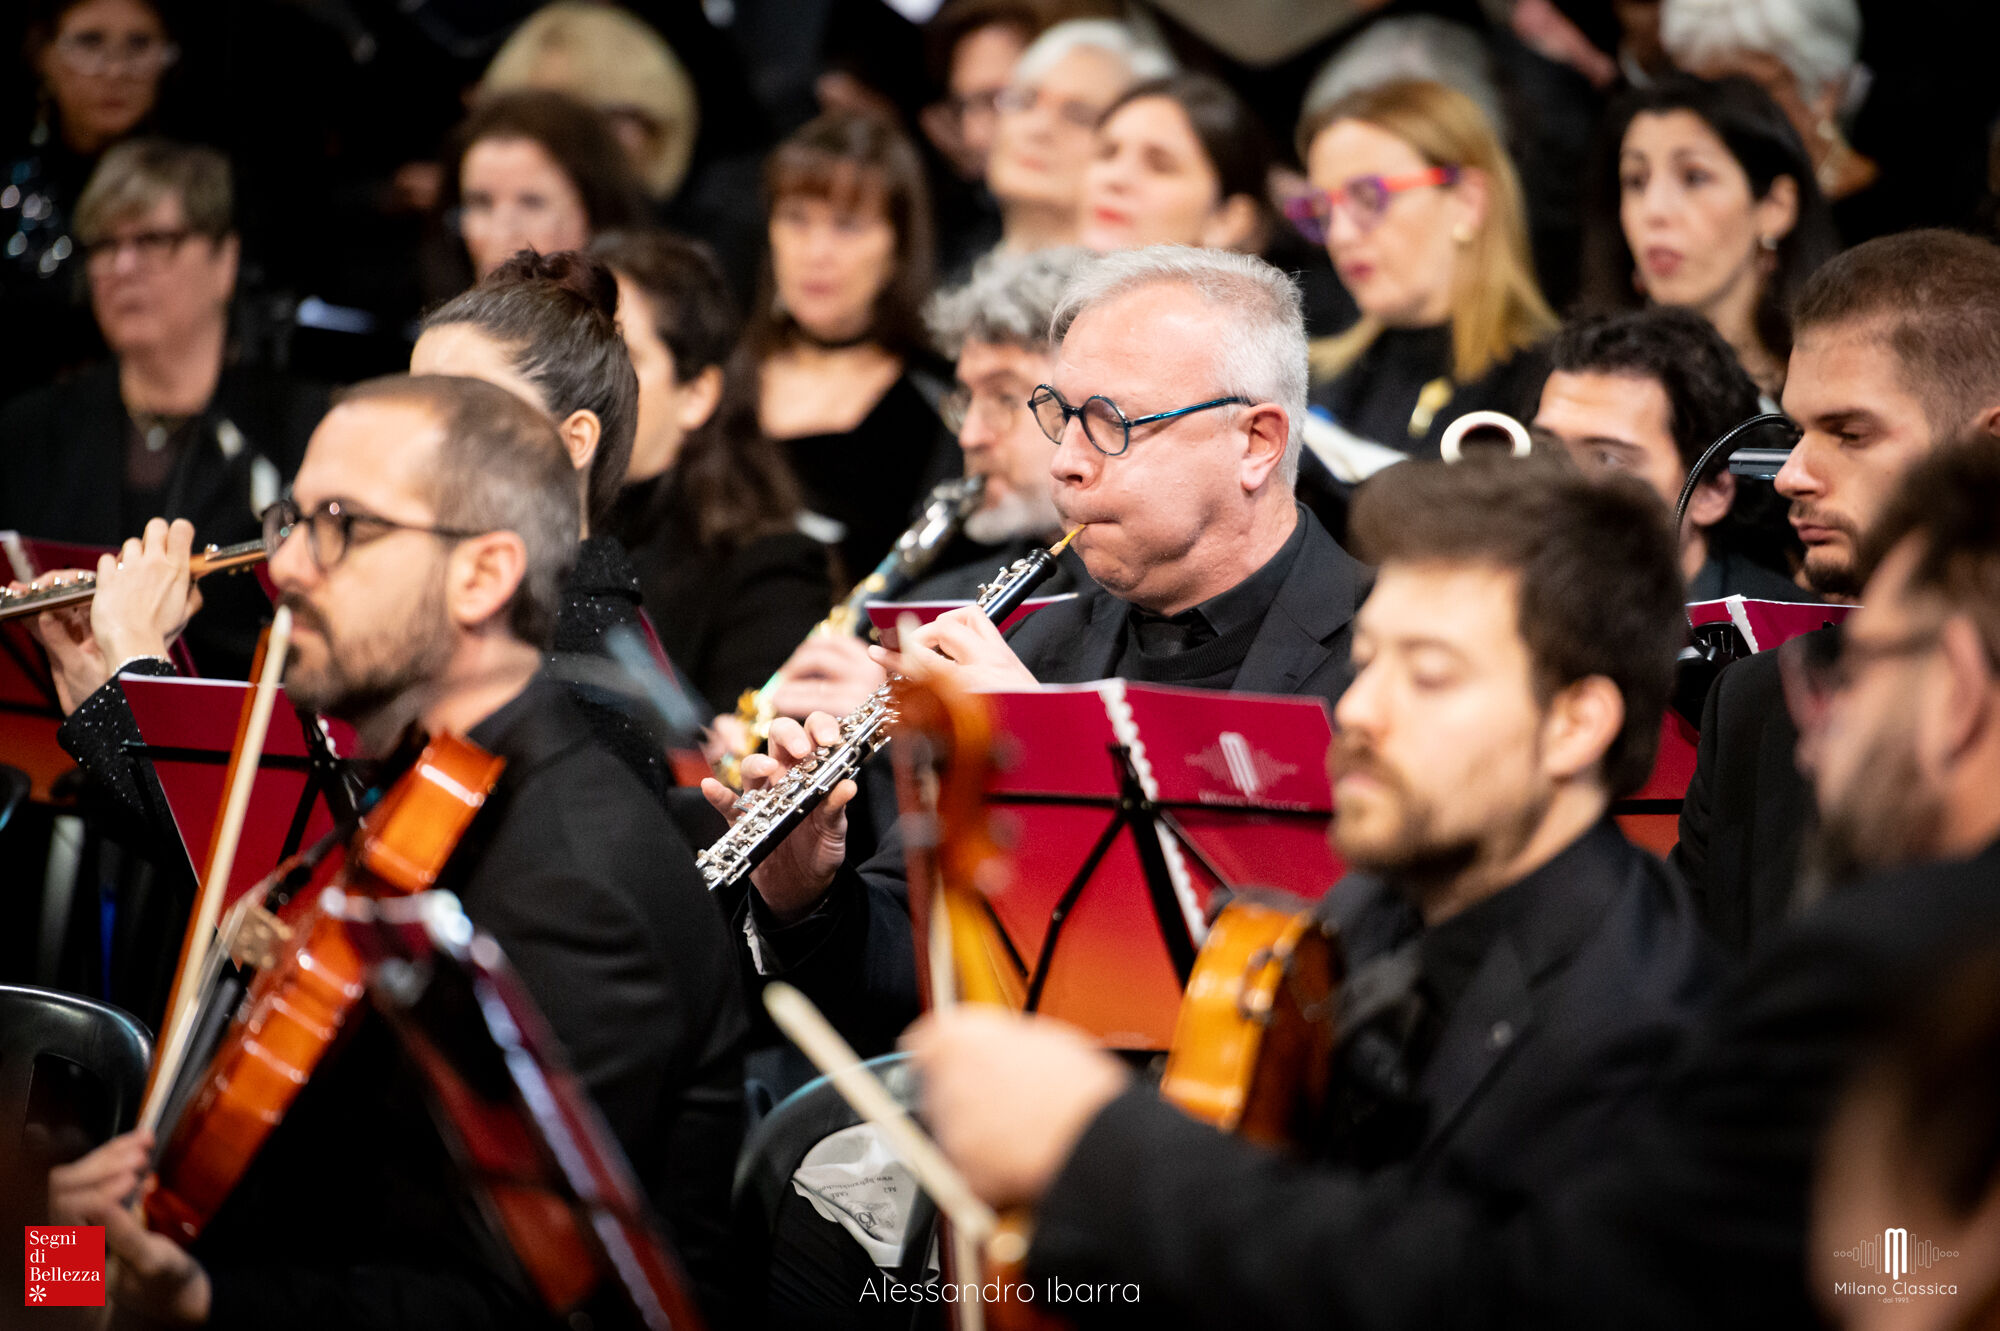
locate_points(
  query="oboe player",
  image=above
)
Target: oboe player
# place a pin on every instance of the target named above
(1173, 415)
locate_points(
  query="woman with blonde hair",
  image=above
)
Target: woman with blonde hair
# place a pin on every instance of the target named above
(616, 63)
(1420, 210)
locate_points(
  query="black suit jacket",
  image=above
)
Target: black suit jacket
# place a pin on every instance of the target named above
(62, 468)
(1747, 807)
(577, 873)
(854, 956)
(1571, 1015)
(1691, 1214)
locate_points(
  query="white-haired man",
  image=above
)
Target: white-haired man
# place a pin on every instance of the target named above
(1179, 386)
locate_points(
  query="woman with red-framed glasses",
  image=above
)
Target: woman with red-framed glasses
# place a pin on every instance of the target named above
(1420, 210)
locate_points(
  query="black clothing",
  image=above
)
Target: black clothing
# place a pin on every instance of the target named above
(595, 900)
(870, 478)
(1747, 807)
(48, 330)
(1587, 977)
(602, 594)
(853, 954)
(63, 460)
(727, 616)
(1204, 645)
(1377, 396)
(1731, 574)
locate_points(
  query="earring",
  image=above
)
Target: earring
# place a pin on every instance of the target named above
(1462, 233)
(1768, 242)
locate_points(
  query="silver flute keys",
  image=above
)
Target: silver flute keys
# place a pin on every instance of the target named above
(764, 818)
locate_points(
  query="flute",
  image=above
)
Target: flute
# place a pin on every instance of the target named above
(77, 590)
(766, 817)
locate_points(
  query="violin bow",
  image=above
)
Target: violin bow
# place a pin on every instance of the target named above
(178, 1029)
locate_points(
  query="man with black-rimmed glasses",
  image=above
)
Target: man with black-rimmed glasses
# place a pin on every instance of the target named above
(1173, 414)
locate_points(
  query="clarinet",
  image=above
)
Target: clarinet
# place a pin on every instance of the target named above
(949, 505)
(766, 817)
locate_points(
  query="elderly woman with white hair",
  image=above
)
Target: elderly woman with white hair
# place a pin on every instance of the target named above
(1046, 132)
(1802, 52)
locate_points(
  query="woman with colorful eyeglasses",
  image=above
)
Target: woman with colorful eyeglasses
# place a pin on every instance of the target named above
(1420, 210)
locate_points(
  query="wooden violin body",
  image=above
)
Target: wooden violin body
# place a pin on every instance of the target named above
(297, 1006)
(1254, 1036)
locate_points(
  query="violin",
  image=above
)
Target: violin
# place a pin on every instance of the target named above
(298, 1003)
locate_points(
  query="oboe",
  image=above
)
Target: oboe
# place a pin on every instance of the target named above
(914, 551)
(766, 817)
(76, 590)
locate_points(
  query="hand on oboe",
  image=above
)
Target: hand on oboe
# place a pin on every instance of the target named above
(961, 645)
(800, 870)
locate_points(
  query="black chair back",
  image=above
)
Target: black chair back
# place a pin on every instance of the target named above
(807, 1269)
(62, 1036)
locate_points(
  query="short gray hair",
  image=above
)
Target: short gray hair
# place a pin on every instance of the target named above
(1414, 46)
(1009, 298)
(1260, 337)
(1817, 40)
(1142, 59)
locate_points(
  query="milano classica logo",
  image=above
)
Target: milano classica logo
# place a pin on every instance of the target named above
(1891, 1255)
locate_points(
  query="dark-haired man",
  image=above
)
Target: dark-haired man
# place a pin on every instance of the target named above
(1649, 392)
(1896, 345)
(1519, 973)
(422, 554)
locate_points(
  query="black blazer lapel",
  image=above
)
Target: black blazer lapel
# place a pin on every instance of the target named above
(1061, 650)
(1302, 631)
(1480, 1036)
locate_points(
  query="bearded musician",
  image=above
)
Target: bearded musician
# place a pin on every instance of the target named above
(421, 554)
(1518, 972)
(1173, 410)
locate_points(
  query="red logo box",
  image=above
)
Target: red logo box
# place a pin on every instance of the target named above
(65, 1266)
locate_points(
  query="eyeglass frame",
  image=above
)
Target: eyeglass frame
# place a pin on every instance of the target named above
(277, 531)
(1813, 675)
(957, 406)
(1070, 111)
(1304, 211)
(167, 240)
(1076, 413)
(93, 64)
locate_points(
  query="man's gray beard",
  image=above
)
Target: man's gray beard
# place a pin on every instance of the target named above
(1017, 513)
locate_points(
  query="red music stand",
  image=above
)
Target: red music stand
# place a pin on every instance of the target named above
(1650, 816)
(189, 728)
(1133, 806)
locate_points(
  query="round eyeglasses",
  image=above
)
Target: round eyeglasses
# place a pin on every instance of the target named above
(1104, 425)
